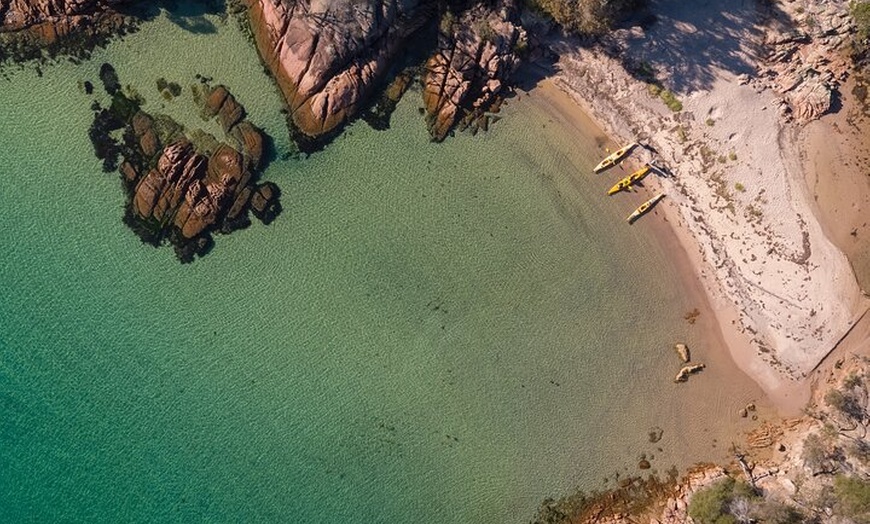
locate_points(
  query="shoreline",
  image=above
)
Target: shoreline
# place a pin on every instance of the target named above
(708, 325)
(780, 362)
(718, 317)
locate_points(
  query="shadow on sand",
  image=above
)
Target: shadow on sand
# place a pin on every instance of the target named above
(683, 44)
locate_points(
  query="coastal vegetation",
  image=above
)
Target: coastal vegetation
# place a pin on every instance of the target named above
(852, 498)
(723, 503)
(655, 88)
(860, 49)
(671, 100)
(590, 17)
(860, 11)
(733, 502)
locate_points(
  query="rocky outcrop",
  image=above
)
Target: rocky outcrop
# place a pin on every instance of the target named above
(29, 27)
(61, 15)
(475, 58)
(181, 189)
(651, 499)
(804, 60)
(328, 56)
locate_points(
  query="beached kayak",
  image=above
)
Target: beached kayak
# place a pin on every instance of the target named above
(630, 180)
(643, 208)
(614, 157)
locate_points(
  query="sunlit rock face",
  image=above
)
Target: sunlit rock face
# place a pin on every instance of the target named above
(328, 55)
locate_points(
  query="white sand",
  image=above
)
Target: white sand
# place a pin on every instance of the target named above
(738, 198)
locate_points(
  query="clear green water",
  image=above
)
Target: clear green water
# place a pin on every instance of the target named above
(429, 333)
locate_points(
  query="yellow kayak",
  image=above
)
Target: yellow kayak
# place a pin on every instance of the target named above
(630, 180)
(645, 207)
(614, 157)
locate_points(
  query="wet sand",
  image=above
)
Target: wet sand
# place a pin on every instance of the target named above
(726, 386)
(836, 160)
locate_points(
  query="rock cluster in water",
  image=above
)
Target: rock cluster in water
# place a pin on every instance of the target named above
(29, 27)
(54, 18)
(328, 57)
(182, 187)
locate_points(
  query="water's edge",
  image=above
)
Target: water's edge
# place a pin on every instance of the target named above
(438, 332)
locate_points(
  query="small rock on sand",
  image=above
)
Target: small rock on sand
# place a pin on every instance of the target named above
(684, 373)
(683, 351)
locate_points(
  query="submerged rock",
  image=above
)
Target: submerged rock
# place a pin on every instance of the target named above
(655, 434)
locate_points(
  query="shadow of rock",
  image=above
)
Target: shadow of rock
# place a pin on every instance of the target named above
(189, 16)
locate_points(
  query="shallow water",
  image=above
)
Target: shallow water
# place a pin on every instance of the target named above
(429, 333)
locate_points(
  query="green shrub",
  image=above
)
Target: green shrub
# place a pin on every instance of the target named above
(714, 504)
(593, 17)
(448, 20)
(671, 101)
(845, 403)
(710, 122)
(853, 381)
(484, 30)
(853, 498)
(645, 71)
(815, 454)
(860, 10)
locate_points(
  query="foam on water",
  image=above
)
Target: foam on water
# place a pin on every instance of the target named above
(429, 333)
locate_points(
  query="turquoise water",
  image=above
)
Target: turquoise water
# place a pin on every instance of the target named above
(429, 333)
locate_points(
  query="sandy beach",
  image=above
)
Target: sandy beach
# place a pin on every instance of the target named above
(723, 389)
(836, 154)
(760, 208)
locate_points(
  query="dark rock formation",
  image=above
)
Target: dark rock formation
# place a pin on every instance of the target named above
(476, 56)
(328, 56)
(30, 27)
(181, 192)
(53, 18)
